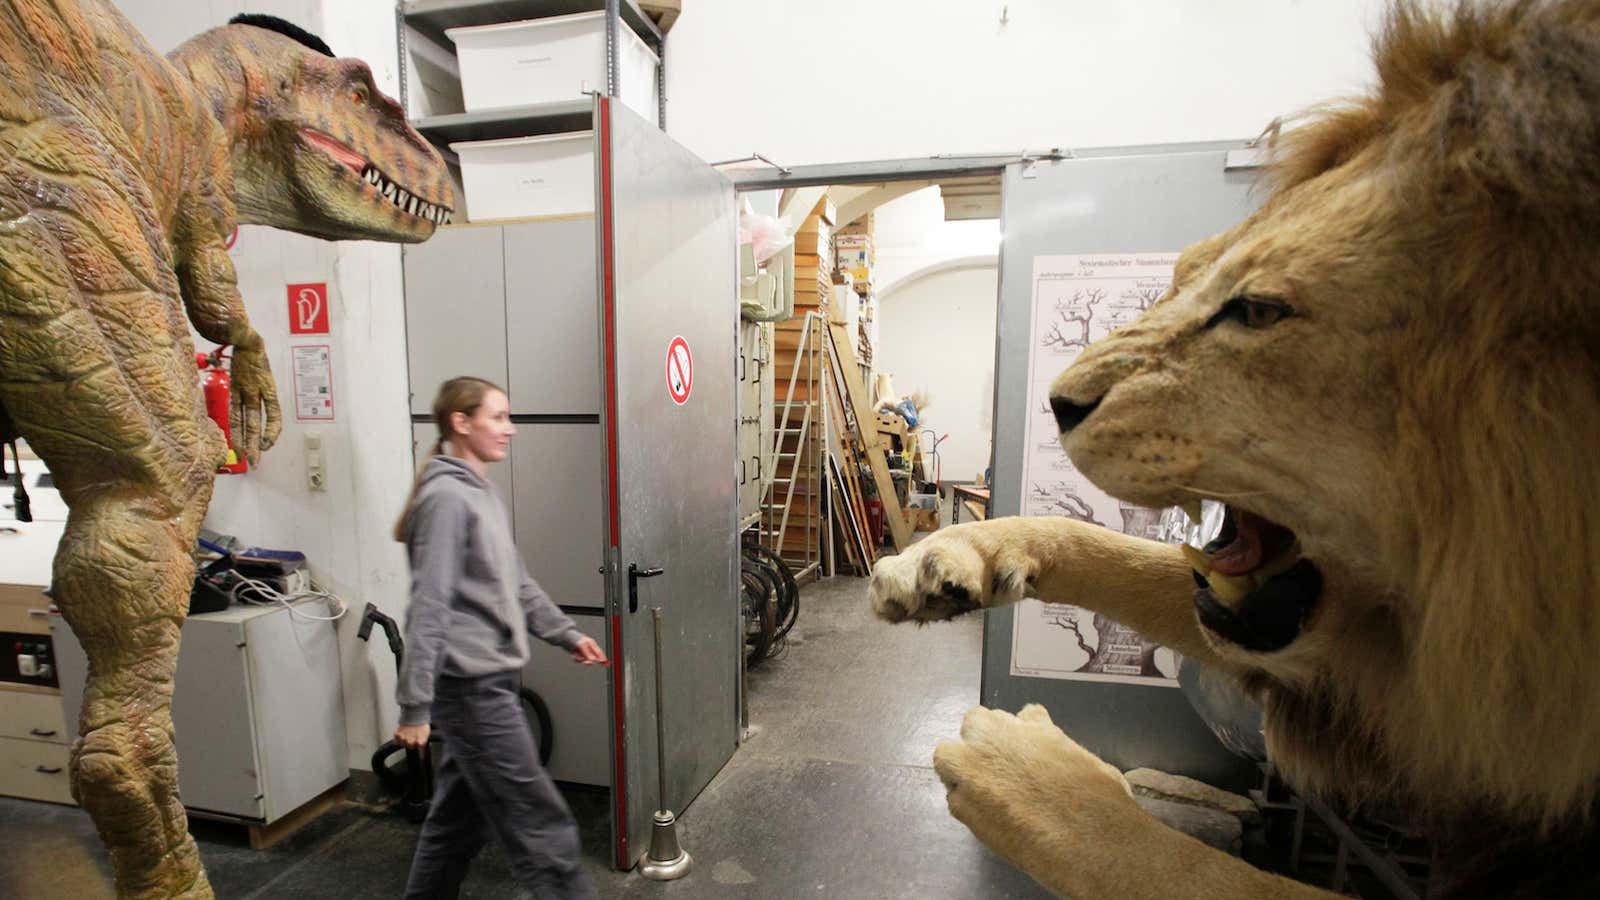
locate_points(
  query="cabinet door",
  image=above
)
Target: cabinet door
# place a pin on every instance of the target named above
(559, 507)
(219, 770)
(455, 310)
(552, 317)
(579, 710)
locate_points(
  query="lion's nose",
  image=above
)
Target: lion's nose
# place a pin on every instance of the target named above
(1070, 415)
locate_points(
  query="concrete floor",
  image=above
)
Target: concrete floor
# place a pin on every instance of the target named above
(832, 796)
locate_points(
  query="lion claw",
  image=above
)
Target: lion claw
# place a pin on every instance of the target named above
(944, 576)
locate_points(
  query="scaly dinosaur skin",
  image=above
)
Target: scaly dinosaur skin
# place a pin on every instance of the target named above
(121, 175)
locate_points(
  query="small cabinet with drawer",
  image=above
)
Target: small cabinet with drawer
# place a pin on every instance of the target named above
(34, 735)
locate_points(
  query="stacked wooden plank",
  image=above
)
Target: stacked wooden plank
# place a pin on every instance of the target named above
(864, 449)
(799, 472)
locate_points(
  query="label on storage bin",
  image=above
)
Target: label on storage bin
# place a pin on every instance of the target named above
(680, 370)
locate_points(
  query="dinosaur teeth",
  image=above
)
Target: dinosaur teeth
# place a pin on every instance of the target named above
(388, 189)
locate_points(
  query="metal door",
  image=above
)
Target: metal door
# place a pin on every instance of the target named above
(668, 320)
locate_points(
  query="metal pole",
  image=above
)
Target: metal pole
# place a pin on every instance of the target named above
(667, 860)
(613, 14)
(661, 721)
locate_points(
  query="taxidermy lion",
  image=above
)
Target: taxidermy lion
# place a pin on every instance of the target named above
(1391, 373)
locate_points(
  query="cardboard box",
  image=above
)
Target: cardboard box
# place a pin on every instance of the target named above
(863, 226)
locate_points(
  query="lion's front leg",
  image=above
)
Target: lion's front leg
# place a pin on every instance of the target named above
(1056, 811)
(958, 570)
(1143, 584)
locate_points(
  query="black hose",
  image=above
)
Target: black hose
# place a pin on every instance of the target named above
(544, 730)
(758, 610)
(789, 593)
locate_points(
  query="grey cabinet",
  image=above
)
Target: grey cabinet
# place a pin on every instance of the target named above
(552, 310)
(455, 310)
(579, 709)
(559, 508)
(750, 368)
(258, 709)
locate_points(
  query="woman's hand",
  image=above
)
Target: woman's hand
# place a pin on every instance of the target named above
(412, 737)
(588, 653)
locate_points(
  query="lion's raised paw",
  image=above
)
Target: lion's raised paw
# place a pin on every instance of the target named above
(943, 577)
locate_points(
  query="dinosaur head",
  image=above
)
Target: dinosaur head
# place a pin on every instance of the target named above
(316, 147)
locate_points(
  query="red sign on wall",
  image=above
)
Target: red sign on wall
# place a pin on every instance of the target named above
(308, 309)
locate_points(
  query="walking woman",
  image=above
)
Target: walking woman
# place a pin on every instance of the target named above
(472, 607)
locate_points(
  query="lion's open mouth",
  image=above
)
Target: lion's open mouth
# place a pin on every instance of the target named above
(1254, 588)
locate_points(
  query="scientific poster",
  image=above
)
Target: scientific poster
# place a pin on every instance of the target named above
(1078, 300)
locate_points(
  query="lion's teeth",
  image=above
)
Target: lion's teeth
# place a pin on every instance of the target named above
(1191, 508)
(1197, 559)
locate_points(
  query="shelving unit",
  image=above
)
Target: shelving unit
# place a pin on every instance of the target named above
(430, 18)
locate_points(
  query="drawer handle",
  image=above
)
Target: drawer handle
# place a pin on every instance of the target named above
(47, 770)
(42, 732)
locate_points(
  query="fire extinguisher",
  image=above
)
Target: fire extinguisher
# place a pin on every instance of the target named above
(217, 386)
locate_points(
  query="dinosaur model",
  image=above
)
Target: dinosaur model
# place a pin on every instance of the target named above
(122, 174)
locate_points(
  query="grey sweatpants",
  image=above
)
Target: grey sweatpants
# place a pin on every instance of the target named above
(490, 782)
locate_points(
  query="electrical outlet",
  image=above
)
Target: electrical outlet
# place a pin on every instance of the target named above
(316, 468)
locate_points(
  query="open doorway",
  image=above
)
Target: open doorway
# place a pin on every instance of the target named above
(867, 335)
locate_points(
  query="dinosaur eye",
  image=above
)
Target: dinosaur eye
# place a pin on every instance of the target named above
(1252, 312)
(358, 96)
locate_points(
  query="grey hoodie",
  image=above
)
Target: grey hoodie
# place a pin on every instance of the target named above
(472, 600)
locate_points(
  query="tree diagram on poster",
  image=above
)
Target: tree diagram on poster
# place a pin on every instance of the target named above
(1079, 300)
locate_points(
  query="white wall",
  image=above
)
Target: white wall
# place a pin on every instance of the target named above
(343, 530)
(937, 337)
(842, 80)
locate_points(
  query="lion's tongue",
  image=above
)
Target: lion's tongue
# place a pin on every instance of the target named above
(1243, 553)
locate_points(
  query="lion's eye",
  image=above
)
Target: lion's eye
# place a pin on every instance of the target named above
(1252, 312)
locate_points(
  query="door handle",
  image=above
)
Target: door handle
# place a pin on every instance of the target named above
(634, 574)
(42, 732)
(758, 467)
(742, 473)
(47, 770)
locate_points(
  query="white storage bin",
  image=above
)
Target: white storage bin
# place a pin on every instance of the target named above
(514, 178)
(552, 60)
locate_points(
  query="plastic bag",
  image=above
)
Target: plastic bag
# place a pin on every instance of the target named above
(766, 235)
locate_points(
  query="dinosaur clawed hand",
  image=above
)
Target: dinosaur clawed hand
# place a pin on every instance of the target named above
(255, 418)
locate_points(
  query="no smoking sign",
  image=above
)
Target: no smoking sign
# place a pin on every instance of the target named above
(680, 370)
